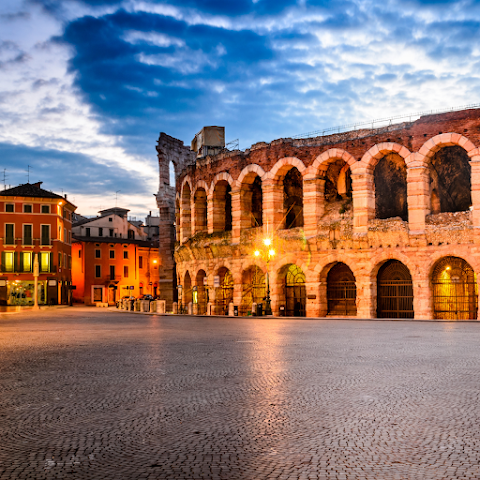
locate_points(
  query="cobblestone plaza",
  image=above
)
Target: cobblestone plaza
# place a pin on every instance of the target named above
(91, 394)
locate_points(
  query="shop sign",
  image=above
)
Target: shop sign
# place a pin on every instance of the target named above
(216, 281)
(52, 283)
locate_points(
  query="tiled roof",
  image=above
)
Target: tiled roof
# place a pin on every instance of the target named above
(29, 190)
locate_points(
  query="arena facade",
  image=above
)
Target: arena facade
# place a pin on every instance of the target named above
(371, 223)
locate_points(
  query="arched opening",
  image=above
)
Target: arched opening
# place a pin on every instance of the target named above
(295, 291)
(394, 291)
(186, 213)
(341, 291)
(187, 289)
(251, 199)
(253, 288)
(222, 207)
(202, 293)
(177, 220)
(200, 202)
(450, 180)
(224, 293)
(338, 182)
(293, 199)
(455, 291)
(390, 178)
(171, 174)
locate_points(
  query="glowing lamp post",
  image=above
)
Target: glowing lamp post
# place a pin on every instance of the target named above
(267, 253)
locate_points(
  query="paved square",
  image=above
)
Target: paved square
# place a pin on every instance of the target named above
(100, 394)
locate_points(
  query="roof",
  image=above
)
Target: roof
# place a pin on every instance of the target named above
(30, 190)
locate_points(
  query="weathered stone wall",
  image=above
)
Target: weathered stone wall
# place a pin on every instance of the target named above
(338, 229)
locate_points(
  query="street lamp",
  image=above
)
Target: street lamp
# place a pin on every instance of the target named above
(267, 253)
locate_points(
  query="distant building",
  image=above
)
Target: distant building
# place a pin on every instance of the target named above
(112, 258)
(35, 222)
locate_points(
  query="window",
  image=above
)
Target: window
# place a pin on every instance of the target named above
(27, 235)
(9, 234)
(27, 209)
(100, 232)
(98, 271)
(110, 219)
(70, 262)
(112, 272)
(111, 232)
(9, 207)
(97, 253)
(87, 232)
(69, 236)
(44, 262)
(45, 208)
(125, 271)
(26, 261)
(125, 254)
(59, 260)
(64, 234)
(112, 253)
(97, 294)
(59, 233)
(140, 262)
(45, 240)
(8, 261)
(65, 264)
(131, 234)
(80, 254)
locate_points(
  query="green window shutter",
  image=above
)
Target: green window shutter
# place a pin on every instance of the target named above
(21, 261)
(3, 262)
(15, 262)
(51, 263)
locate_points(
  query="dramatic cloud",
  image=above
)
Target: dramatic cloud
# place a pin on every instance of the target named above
(93, 82)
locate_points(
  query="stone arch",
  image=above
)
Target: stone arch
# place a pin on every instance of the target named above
(283, 165)
(454, 289)
(224, 293)
(222, 202)
(249, 169)
(186, 180)
(253, 287)
(200, 208)
(430, 147)
(222, 176)
(378, 151)
(177, 217)
(201, 291)
(185, 211)
(251, 198)
(294, 296)
(340, 290)
(187, 288)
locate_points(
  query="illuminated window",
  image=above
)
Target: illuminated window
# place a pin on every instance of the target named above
(27, 209)
(26, 261)
(9, 207)
(8, 261)
(44, 262)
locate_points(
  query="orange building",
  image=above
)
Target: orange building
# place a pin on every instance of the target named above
(35, 222)
(113, 257)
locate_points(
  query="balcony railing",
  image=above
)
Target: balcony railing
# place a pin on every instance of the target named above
(30, 241)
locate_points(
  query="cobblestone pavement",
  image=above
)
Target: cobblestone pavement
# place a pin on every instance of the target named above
(88, 394)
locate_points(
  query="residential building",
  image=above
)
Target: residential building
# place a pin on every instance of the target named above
(112, 258)
(35, 223)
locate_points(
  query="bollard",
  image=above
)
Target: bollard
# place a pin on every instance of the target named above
(161, 306)
(254, 308)
(190, 308)
(153, 306)
(175, 307)
(195, 308)
(230, 310)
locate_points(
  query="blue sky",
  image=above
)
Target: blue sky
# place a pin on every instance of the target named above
(87, 85)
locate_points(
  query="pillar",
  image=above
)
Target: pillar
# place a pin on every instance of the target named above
(272, 193)
(418, 198)
(313, 204)
(366, 297)
(422, 299)
(210, 212)
(363, 193)
(236, 216)
(475, 179)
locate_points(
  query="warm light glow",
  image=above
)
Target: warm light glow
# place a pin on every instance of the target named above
(271, 252)
(154, 261)
(256, 253)
(448, 268)
(267, 242)
(61, 203)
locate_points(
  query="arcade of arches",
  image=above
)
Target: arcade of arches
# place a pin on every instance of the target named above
(385, 227)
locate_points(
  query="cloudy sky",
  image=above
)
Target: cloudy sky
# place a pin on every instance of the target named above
(87, 85)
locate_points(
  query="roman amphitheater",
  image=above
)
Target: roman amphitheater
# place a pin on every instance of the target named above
(370, 223)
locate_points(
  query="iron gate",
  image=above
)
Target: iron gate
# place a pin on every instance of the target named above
(455, 291)
(253, 290)
(225, 294)
(394, 291)
(295, 292)
(341, 291)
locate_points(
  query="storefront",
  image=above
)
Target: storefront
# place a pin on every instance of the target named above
(21, 292)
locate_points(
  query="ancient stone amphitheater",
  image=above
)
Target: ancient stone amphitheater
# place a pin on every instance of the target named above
(367, 223)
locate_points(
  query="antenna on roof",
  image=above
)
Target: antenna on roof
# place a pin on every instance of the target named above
(28, 173)
(116, 197)
(4, 178)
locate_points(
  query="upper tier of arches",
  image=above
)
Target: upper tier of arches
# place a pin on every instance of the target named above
(388, 181)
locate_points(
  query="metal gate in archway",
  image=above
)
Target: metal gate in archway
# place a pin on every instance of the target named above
(455, 291)
(394, 291)
(225, 293)
(253, 289)
(341, 291)
(295, 292)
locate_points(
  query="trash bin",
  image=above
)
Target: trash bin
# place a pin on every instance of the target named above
(132, 303)
(235, 310)
(259, 309)
(282, 310)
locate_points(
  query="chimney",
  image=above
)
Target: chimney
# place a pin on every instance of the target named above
(37, 184)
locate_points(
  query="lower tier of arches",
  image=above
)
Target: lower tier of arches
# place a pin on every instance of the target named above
(387, 285)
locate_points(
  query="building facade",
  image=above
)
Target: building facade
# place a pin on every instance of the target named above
(112, 258)
(369, 223)
(35, 222)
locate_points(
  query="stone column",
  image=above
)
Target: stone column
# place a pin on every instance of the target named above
(475, 179)
(313, 204)
(366, 297)
(276, 293)
(418, 193)
(272, 205)
(210, 212)
(237, 293)
(422, 299)
(322, 299)
(363, 193)
(312, 307)
(236, 216)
